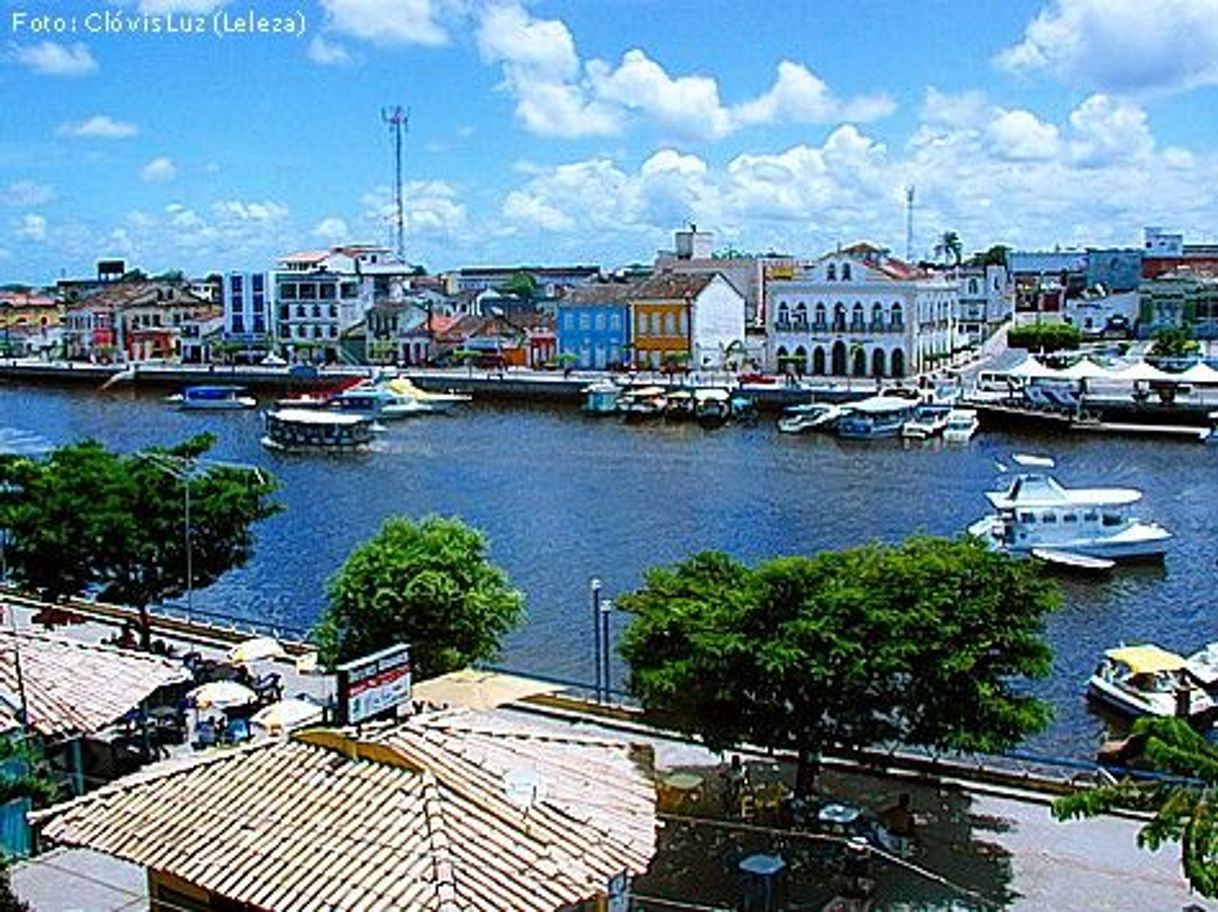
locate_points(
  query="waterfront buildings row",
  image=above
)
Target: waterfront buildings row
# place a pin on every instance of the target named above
(854, 311)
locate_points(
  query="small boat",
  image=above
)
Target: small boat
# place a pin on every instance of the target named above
(427, 400)
(212, 398)
(309, 430)
(1147, 680)
(961, 425)
(713, 405)
(810, 416)
(679, 405)
(378, 403)
(642, 402)
(319, 398)
(600, 398)
(929, 420)
(1034, 512)
(876, 417)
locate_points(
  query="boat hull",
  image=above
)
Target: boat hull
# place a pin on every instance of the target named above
(1141, 542)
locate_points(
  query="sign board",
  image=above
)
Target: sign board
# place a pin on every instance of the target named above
(619, 893)
(373, 685)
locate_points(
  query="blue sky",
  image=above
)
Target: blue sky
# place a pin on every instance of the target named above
(587, 130)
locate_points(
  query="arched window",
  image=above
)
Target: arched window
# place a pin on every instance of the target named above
(820, 315)
(831, 272)
(839, 359)
(781, 357)
(801, 315)
(856, 317)
(898, 322)
(877, 363)
(877, 316)
(818, 361)
(845, 272)
(859, 368)
(972, 286)
(839, 317)
(801, 360)
(898, 363)
(784, 315)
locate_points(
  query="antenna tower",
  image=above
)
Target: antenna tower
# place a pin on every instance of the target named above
(398, 119)
(909, 207)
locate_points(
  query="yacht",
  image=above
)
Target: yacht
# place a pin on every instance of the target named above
(810, 416)
(378, 403)
(642, 402)
(212, 398)
(875, 417)
(317, 430)
(961, 425)
(1036, 514)
(426, 400)
(1147, 680)
(929, 420)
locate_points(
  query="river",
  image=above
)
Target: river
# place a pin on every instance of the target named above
(565, 498)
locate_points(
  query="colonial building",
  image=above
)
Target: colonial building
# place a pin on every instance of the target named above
(29, 324)
(1182, 297)
(859, 312)
(132, 321)
(984, 302)
(685, 320)
(551, 281)
(594, 325)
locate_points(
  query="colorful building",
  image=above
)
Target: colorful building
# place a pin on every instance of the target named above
(594, 325)
(685, 320)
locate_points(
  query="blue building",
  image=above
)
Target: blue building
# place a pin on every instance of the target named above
(1116, 269)
(594, 324)
(247, 314)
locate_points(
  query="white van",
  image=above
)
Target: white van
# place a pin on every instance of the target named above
(999, 381)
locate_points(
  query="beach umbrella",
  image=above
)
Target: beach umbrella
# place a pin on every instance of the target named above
(285, 715)
(221, 695)
(256, 650)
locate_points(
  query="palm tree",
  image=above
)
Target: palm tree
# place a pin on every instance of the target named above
(1181, 798)
(949, 245)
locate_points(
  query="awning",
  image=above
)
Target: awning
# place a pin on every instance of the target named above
(480, 690)
(1147, 659)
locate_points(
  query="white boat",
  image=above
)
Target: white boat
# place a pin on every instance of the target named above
(378, 403)
(712, 405)
(875, 417)
(810, 416)
(1034, 511)
(929, 420)
(680, 405)
(427, 400)
(962, 423)
(1147, 680)
(642, 402)
(305, 430)
(212, 398)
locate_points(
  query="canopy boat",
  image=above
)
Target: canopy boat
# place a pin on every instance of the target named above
(1035, 512)
(427, 400)
(961, 424)
(1147, 680)
(305, 430)
(600, 398)
(212, 398)
(713, 405)
(642, 402)
(929, 420)
(875, 417)
(378, 403)
(810, 416)
(679, 405)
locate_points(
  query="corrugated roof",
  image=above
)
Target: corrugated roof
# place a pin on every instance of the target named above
(73, 687)
(434, 814)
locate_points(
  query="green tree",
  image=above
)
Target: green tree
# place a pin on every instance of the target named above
(1182, 799)
(1175, 342)
(994, 256)
(86, 519)
(1045, 337)
(948, 247)
(521, 284)
(923, 643)
(427, 583)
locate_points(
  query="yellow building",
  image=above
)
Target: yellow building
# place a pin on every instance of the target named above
(661, 313)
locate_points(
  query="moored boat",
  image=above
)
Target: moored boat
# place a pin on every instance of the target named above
(810, 416)
(876, 417)
(305, 430)
(642, 402)
(713, 405)
(929, 420)
(679, 405)
(1147, 680)
(600, 398)
(224, 397)
(378, 403)
(1034, 511)
(961, 424)
(427, 400)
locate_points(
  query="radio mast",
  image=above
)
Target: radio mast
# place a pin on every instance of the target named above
(398, 119)
(909, 207)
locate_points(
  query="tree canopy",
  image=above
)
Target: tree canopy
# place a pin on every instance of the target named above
(88, 519)
(1175, 342)
(1181, 798)
(521, 284)
(1045, 337)
(428, 583)
(949, 247)
(924, 643)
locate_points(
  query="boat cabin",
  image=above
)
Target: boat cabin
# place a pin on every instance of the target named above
(317, 429)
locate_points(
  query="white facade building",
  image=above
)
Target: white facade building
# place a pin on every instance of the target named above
(985, 302)
(860, 313)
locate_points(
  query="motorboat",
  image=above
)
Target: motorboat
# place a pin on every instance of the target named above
(1035, 512)
(642, 402)
(600, 398)
(428, 400)
(713, 405)
(1147, 680)
(680, 405)
(311, 430)
(212, 398)
(743, 407)
(375, 402)
(962, 424)
(876, 417)
(319, 398)
(810, 416)
(929, 420)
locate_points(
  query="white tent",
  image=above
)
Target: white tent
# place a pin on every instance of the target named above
(1031, 369)
(1085, 369)
(1142, 371)
(1200, 373)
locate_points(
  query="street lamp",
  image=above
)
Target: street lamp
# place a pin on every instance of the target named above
(595, 585)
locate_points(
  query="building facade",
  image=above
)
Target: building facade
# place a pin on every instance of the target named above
(984, 302)
(685, 320)
(1177, 299)
(594, 325)
(861, 313)
(248, 328)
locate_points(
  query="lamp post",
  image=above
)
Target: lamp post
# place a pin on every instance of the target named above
(595, 586)
(606, 653)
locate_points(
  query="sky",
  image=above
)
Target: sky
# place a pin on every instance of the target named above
(587, 131)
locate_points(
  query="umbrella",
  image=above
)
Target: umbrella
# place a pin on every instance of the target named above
(255, 650)
(287, 714)
(221, 695)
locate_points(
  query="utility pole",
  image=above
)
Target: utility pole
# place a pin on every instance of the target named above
(909, 208)
(398, 120)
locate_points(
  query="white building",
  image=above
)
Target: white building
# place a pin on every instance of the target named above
(985, 302)
(859, 312)
(247, 314)
(695, 318)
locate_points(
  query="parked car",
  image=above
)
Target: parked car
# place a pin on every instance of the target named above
(754, 377)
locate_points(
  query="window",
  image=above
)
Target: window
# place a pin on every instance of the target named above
(316, 311)
(258, 302)
(877, 315)
(600, 321)
(670, 325)
(238, 323)
(1047, 517)
(287, 292)
(820, 314)
(801, 316)
(333, 311)
(236, 284)
(1112, 519)
(259, 325)
(349, 290)
(1027, 517)
(845, 272)
(1090, 516)
(839, 317)
(831, 272)
(784, 314)
(258, 283)
(1069, 518)
(585, 320)
(328, 291)
(655, 324)
(615, 322)
(856, 316)
(307, 290)
(897, 320)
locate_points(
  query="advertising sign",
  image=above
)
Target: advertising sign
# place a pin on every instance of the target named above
(373, 685)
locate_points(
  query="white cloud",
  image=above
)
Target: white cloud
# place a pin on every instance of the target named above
(26, 193)
(431, 211)
(159, 170)
(327, 53)
(687, 106)
(237, 211)
(966, 109)
(392, 22)
(101, 126)
(52, 59)
(160, 7)
(1022, 136)
(540, 49)
(1108, 131)
(800, 96)
(1121, 46)
(332, 230)
(33, 228)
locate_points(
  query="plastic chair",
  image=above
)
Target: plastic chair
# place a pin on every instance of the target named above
(205, 735)
(237, 731)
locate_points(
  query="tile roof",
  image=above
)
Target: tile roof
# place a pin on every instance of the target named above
(438, 813)
(672, 285)
(73, 687)
(600, 294)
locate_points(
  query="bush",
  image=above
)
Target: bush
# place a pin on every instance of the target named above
(1045, 337)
